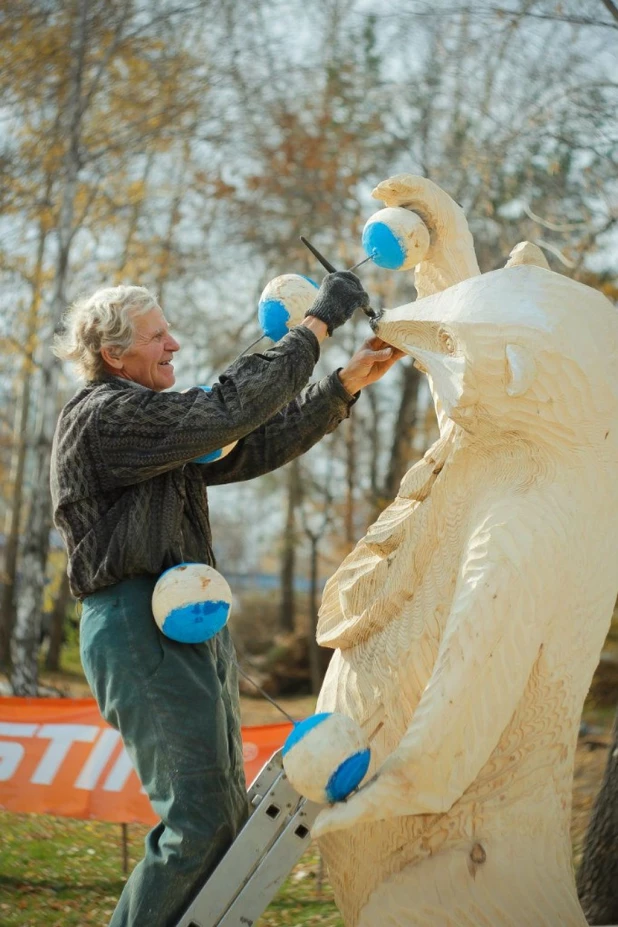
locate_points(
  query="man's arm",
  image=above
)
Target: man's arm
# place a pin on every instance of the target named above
(139, 433)
(287, 435)
(315, 413)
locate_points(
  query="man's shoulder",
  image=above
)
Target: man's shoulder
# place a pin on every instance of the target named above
(80, 402)
(96, 393)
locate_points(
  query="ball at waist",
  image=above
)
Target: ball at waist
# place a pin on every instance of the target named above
(191, 602)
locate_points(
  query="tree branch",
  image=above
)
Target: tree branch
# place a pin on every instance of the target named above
(611, 8)
(552, 226)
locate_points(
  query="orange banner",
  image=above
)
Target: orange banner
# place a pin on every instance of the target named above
(58, 756)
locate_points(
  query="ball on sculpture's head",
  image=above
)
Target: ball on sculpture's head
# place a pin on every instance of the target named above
(396, 238)
(191, 602)
(220, 452)
(284, 302)
(326, 757)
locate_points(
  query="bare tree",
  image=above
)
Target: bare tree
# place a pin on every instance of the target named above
(597, 878)
(24, 676)
(81, 92)
(57, 623)
(287, 607)
(317, 515)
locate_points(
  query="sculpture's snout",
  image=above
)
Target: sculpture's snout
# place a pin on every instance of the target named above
(414, 325)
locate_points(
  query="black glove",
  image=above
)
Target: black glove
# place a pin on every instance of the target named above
(340, 294)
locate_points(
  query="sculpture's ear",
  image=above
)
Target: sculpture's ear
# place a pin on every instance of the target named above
(521, 369)
(527, 253)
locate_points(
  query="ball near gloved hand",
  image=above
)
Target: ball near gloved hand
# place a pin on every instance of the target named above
(396, 238)
(339, 296)
(326, 757)
(284, 302)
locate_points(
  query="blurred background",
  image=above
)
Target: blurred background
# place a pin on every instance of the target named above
(185, 146)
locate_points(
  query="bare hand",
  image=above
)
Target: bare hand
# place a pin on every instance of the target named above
(369, 364)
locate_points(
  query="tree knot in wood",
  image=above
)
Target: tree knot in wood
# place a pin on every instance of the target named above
(478, 854)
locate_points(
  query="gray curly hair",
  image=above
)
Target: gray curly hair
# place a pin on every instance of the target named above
(104, 320)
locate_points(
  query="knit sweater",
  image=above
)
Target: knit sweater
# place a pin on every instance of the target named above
(129, 500)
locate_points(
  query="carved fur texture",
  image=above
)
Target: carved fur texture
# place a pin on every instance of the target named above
(469, 620)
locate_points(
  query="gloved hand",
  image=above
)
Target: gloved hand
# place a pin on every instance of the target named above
(338, 297)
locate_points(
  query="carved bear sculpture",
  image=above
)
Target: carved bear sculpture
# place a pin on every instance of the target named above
(468, 622)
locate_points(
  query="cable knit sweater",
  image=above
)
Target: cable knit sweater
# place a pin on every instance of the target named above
(128, 498)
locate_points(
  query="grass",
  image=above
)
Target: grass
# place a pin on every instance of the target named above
(306, 898)
(56, 872)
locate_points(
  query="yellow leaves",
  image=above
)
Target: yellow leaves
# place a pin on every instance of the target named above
(33, 52)
(55, 569)
(47, 218)
(16, 264)
(135, 192)
(53, 153)
(82, 198)
(221, 189)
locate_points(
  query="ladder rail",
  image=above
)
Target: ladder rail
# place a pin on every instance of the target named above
(261, 857)
(273, 869)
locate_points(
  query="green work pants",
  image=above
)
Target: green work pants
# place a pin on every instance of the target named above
(176, 707)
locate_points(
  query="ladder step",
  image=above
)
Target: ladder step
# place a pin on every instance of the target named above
(272, 871)
(280, 817)
(265, 778)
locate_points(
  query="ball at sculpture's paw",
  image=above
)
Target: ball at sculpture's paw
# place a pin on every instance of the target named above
(284, 302)
(191, 602)
(326, 757)
(396, 238)
(220, 452)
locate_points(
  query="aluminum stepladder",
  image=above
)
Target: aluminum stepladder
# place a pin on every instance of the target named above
(262, 856)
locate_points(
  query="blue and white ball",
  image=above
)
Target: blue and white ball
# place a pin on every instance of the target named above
(326, 757)
(220, 452)
(284, 302)
(396, 238)
(191, 602)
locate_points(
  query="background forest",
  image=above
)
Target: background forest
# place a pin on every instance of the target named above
(185, 146)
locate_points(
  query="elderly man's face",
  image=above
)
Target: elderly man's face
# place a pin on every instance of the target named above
(148, 360)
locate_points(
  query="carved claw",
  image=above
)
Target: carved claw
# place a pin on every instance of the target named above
(421, 195)
(376, 801)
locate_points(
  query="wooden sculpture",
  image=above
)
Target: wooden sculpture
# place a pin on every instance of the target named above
(469, 620)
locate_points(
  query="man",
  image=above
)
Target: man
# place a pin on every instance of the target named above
(130, 501)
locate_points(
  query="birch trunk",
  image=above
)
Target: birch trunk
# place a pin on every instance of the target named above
(314, 650)
(350, 480)
(7, 606)
(29, 589)
(287, 611)
(18, 465)
(56, 629)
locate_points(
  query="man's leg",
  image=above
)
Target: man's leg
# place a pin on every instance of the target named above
(176, 707)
